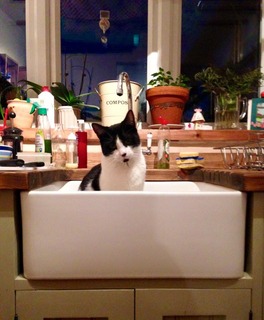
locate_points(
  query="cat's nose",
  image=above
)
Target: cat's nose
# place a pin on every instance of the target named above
(125, 159)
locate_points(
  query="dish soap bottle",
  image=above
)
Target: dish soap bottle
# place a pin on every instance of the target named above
(163, 155)
(43, 133)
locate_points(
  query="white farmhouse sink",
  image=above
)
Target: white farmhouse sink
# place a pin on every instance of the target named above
(169, 230)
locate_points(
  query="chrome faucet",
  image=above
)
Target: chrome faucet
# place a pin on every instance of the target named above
(119, 90)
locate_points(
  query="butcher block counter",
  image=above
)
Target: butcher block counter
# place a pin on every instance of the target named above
(213, 172)
(242, 180)
(13, 284)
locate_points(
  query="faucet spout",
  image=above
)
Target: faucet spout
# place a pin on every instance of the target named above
(119, 90)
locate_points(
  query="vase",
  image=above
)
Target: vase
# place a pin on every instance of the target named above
(67, 117)
(22, 109)
(229, 110)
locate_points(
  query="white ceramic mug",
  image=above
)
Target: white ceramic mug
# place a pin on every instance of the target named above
(67, 117)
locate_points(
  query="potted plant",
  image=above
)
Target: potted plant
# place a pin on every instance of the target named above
(8, 92)
(229, 88)
(13, 100)
(229, 81)
(167, 96)
(69, 101)
(63, 95)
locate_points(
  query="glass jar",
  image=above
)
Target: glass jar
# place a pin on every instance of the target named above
(58, 142)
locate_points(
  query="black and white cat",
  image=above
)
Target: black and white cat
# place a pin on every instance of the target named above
(123, 165)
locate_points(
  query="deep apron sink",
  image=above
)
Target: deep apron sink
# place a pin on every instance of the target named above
(169, 230)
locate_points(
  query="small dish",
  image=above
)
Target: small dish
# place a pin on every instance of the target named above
(170, 125)
(5, 147)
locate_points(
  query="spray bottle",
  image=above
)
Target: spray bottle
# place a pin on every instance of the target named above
(43, 133)
(48, 102)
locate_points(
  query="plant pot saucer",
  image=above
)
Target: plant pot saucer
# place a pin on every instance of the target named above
(170, 125)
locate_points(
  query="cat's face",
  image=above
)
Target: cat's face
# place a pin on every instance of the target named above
(120, 141)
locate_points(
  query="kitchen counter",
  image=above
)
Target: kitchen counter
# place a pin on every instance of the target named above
(242, 180)
(204, 138)
(213, 172)
(14, 286)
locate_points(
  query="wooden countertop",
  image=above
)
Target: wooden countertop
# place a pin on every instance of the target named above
(243, 180)
(213, 138)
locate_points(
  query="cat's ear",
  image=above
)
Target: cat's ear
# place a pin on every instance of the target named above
(130, 118)
(98, 129)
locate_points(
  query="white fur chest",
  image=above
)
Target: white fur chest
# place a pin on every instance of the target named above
(118, 175)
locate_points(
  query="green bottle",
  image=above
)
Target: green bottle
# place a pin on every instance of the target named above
(163, 155)
(43, 134)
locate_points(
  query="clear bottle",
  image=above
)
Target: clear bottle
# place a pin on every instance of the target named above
(81, 135)
(43, 133)
(58, 144)
(71, 151)
(163, 155)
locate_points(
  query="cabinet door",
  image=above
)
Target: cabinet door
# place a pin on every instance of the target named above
(185, 304)
(71, 304)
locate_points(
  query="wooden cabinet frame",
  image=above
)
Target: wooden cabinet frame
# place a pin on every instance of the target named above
(247, 292)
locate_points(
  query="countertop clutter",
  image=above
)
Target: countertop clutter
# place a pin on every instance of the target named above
(238, 179)
(193, 138)
(213, 171)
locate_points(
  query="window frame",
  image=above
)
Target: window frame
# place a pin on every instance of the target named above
(43, 38)
(43, 49)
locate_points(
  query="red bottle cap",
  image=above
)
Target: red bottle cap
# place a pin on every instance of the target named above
(45, 88)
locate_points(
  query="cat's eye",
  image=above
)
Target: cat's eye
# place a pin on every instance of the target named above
(130, 138)
(108, 144)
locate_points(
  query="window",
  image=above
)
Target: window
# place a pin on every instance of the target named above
(218, 33)
(99, 40)
(200, 20)
(13, 40)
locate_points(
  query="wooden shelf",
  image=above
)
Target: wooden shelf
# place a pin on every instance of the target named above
(205, 138)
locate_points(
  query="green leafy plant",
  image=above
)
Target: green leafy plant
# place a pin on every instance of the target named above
(9, 92)
(229, 81)
(164, 78)
(63, 95)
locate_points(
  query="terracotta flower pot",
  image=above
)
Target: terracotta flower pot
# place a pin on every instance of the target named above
(167, 102)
